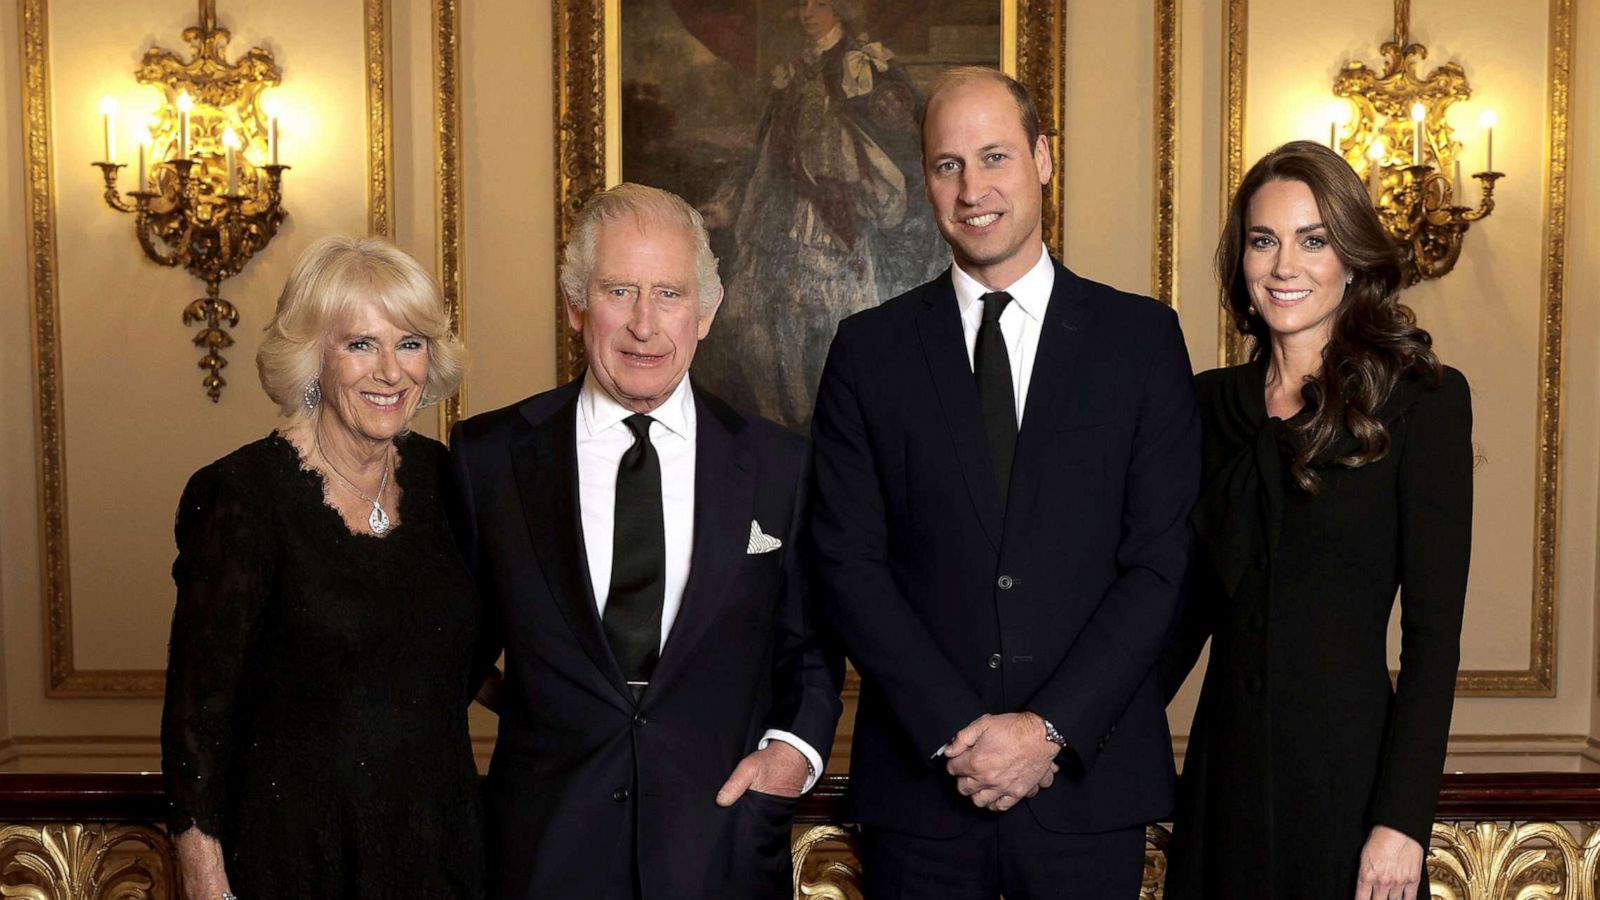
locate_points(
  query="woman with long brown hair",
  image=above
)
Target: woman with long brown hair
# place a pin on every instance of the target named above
(1338, 469)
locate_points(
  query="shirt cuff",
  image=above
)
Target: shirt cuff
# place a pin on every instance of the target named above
(806, 750)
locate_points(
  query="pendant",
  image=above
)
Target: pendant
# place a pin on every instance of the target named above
(379, 520)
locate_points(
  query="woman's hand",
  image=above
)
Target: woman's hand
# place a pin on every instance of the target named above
(1391, 866)
(200, 857)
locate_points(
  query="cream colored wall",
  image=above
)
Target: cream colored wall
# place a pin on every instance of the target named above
(1485, 316)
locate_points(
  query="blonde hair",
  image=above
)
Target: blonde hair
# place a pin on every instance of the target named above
(644, 204)
(333, 276)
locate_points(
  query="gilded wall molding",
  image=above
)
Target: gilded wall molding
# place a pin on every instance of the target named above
(87, 861)
(63, 679)
(380, 115)
(1232, 347)
(447, 166)
(1163, 265)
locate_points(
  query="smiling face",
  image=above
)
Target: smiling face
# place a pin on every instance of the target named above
(373, 372)
(642, 322)
(984, 180)
(817, 17)
(1296, 279)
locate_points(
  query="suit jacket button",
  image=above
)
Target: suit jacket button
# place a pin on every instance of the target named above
(1005, 582)
(994, 661)
(620, 794)
(639, 720)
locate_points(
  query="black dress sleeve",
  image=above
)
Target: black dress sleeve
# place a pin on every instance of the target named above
(223, 574)
(1435, 498)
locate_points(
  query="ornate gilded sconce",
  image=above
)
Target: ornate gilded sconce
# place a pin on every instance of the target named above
(208, 194)
(1400, 140)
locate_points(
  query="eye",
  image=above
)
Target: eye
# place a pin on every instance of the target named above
(359, 345)
(1262, 242)
(1315, 242)
(995, 157)
(947, 166)
(413, 344)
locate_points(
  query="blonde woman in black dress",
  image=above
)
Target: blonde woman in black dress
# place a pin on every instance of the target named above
(1338, 469)
(314, 737)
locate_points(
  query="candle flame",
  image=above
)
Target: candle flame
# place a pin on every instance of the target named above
(271, 107)
(1488, 119)
(1418, 112)
(185, 102)
(230, 139)
(1375, 150)
(108, 106)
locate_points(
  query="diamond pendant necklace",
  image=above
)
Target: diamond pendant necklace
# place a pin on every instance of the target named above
(378, 520)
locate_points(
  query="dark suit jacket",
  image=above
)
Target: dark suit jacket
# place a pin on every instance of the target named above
(577, 759)
(951, 606)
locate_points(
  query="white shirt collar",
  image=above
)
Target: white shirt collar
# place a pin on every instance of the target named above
(602, 411)
(834, 36)
(1031, 292)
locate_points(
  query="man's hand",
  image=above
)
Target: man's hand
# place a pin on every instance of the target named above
(780, 769)
(1391, 866)
(1000, 761)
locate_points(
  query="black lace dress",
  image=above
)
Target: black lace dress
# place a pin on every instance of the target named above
(318, 683)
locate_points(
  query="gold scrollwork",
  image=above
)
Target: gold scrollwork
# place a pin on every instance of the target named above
(380, 130)
(1528, 861)
(1232, 347)
(825, 866)
(86, 862)
(1163, 266)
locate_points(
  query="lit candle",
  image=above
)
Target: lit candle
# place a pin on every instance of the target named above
(1333, 136)
(270, 107)
(1488, 121)
(144, 152)
(184, 105)
(1375, 170)
(1417, 113)
(108, 116)
(231, 141)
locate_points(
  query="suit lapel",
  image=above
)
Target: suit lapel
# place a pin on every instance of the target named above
(945, 346)
(546, 464)
(1062, 340)
(724, 505)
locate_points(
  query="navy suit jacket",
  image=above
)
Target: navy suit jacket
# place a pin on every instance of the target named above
(577, 759)
(951, 606)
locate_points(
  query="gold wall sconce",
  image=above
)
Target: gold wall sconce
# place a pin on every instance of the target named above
(1400, 141)
(208, 194)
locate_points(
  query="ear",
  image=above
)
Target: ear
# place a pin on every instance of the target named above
(574, 317)
(1041, 159)
(703, 327)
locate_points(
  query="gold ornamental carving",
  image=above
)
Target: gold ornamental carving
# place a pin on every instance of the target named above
(86, 862)
(212, 196)
(1400, 138)
(1232, 346)
(447, 152)
(825, 863)
(1163, 265)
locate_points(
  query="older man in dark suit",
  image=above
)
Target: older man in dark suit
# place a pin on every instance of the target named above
(638, 545)
(1005, 462)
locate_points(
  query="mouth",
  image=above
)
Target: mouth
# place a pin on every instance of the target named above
(642, 359)
(980, 222)
(1279, 296)
(383, 401)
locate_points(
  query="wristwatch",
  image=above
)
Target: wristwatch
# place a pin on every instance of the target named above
(1052, 735)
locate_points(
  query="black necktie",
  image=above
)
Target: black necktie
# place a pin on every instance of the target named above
(638, 560)
(992, 365)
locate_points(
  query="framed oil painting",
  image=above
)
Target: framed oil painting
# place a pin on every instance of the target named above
(793, 126)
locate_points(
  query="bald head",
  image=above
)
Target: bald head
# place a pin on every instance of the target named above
(969, 76)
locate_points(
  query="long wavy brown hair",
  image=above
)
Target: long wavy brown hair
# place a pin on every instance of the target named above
(1374, 339)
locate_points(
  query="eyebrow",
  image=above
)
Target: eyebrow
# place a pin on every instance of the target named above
(1262, 229)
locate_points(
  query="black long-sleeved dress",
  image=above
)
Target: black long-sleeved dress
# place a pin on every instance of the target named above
(318, 683)
(1300, 744)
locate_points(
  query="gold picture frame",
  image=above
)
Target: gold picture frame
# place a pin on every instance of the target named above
(588, 111)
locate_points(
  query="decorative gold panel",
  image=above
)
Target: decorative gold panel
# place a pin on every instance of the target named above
(87, 862)
(1163, 265)
(447, 162)
(63, 677)
(1539, 678)
(380, 112)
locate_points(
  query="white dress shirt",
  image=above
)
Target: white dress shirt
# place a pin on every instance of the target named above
(602, 440)
(1020, 323)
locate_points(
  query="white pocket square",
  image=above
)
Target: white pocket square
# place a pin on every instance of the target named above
(759, 542)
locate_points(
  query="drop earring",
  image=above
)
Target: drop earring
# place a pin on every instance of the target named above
(312, 394)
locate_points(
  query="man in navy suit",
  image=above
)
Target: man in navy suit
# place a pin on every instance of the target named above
(638, 546)
(1005, 461)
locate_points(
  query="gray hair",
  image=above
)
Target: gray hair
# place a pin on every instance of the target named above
(644, 204)
(333, 275)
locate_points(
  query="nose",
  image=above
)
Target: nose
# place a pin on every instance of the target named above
(974, 187)
(1285, 263)
(642, 324)
(389, 366)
